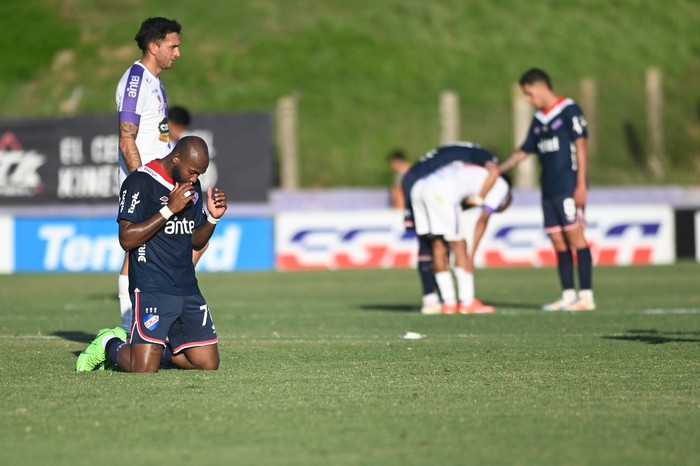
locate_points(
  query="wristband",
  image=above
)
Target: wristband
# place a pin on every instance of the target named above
(166, 212)
(478, 200)
(212, 220)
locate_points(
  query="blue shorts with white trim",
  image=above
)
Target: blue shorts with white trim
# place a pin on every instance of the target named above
(185, 320)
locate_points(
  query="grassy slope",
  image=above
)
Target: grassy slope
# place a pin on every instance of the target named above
(369, 72)
(313, 372)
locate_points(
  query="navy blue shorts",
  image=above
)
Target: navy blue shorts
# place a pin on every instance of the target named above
(186, 320)
(561, 214)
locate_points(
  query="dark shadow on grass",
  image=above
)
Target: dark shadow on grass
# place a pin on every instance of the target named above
(390, 307)
(513, 305)
(104, 297)
(80, 337)
(654, 337)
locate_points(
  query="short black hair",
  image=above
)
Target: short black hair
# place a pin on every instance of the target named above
(396, 154)
(535, 75)
(179, 115)
(155, 29)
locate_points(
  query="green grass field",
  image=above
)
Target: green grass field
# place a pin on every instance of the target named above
(314, 372)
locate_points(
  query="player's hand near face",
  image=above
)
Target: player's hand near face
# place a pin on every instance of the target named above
(180, 196)
(216, 202)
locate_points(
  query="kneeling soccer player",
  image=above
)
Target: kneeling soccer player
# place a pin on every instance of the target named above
(161, 219)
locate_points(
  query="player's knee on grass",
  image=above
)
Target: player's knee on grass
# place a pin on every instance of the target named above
(204, 358)
(144, 358)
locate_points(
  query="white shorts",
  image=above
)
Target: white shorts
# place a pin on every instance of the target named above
(437, 205)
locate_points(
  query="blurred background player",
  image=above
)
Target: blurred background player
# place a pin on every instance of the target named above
(437, 201)
(143, 115)
(430, 301)
(400, 166)
(467, 152)
(558, 136)
(179, 120)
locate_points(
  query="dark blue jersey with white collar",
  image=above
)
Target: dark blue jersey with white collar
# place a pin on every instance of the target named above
(552, 137)
(163, 263)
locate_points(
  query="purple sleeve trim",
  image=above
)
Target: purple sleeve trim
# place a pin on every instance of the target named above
(132, 89)
(129, 117)
(490, 210)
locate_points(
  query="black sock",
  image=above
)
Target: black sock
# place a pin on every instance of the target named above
(565, 266)
(585, 268)
(167, 359)
(425, 265)
(112, 348)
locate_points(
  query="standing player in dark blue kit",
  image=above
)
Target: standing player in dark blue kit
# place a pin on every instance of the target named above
(558, 136)
(161, 219)
(466, 152)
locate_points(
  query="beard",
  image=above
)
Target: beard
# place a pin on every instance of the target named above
(176, 174)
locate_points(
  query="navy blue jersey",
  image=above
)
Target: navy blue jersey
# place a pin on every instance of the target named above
(164, 263)
(552, 137)
(432, 161)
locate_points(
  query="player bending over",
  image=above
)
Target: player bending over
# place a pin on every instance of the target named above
(466, 152)
(161, 220)
(558, 136)
(437, 201)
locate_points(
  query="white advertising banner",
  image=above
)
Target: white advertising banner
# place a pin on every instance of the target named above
(697, 235)
(617, 234)
(7, 244)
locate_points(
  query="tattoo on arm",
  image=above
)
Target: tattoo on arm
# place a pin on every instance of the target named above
(127, 144)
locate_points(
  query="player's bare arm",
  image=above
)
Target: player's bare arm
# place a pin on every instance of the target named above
(216, 205)
(127, 144)
(494, 173)
(514, 159)
(479, 230)
(581, 191)
(132, 235)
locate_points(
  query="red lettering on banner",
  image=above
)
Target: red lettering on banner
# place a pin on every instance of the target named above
(375, 258)
(642, 255)
(291, 262)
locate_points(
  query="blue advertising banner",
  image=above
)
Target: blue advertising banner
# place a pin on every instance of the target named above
(92, 245)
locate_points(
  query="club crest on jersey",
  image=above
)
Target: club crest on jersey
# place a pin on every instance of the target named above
(164, 200)
(151, 321)
(195, 198)
(557, 124)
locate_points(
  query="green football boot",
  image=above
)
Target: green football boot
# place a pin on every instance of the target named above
(94, 357)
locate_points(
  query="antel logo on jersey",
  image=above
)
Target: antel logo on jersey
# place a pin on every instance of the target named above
(548, 145)
(179, 227)
(132, 90)
(19, 169)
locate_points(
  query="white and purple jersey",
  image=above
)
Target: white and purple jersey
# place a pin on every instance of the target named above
(141, 100)
(552, 137)
(164, 263)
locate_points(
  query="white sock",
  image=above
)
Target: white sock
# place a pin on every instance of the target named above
(586, 295)
(465, 285)
(124, 301)
(106, 340)
(568, 296)
(430, 299)
(446, 286)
